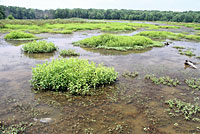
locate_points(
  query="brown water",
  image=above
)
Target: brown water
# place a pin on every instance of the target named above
(134, 106)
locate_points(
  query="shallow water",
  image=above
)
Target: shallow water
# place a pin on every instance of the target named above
(128, 106)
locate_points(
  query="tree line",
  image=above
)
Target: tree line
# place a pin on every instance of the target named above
(122, 14)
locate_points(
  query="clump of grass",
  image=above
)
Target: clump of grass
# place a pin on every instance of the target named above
(63, 32)
(168, 35)
(193, 83)
(178, 47)
(187, 53)
(163, 80)
(183, 108)
(157, 34)
(198, 57)
(117, 42)
(75, 75)
(192, 37)
(19, 35)
(39, 47)
(169, 27)
(197, 28)
(69, 52)
(130, 74)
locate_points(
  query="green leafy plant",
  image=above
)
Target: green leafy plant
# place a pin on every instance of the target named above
(163, 80)
(110, 41)
(19, 35)
(75, 75)
(193, 83)
(39, 47)
(186, 109)
(69, 52)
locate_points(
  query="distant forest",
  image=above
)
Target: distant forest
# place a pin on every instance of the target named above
(114, 14)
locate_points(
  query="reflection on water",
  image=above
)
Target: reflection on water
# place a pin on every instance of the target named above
(39, 56)
(127, 106)
(16, 42)
(115, 52)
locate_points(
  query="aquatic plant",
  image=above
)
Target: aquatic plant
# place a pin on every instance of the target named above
(194, 83)
(19, 35)
(39, 47)
(186, 109)
(130, 74)
(157, 34)
(117, 42)
(69, 52)
(75, 75)
(168, 35)
(178, 47)
(163, 80)
(187, 53)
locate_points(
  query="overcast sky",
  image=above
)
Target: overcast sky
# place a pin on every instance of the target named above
(166, 5)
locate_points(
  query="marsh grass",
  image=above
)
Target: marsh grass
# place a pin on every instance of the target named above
(77, 76)
(186, 52)
(117, 42)
(67, 26)
(69, 52)
(18, 35)
(193, 83)
(39, 47)
(183, 108)
(168, 35)
(178, 47)
(163, 80)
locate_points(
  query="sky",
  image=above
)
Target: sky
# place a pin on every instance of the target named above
(163, 5)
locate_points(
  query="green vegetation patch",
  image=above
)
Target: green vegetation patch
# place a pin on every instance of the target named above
(117, 42)
(163, 80)
(69, 52)
(178, 107)
(178, 47)
(157, 34)
(186, 52)
(168, 35)
(193, 83)
(75, 75)
(17, 35)
(197, 28)
(39, 47)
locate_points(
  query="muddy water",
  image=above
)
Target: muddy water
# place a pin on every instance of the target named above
(128, 106)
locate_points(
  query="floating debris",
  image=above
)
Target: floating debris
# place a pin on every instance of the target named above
(44, 120)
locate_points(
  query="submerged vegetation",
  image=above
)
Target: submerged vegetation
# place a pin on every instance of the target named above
(39, 47)
(163, 80)
(77, 76)
(193, 83)
(18, 35)
(130, 74)
(109, 41)
(69, 52)
(183, 108)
